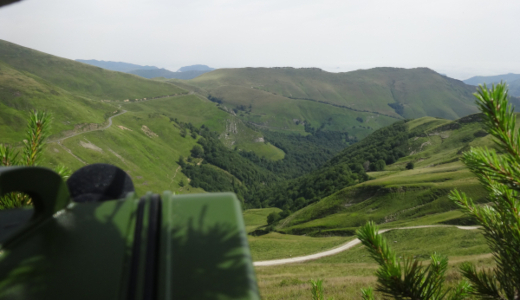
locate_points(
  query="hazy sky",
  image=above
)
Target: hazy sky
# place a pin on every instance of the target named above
(457, 37)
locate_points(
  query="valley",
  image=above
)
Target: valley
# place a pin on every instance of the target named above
(318, 154)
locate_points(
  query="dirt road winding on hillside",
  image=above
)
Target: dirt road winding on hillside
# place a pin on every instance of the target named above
(58, 141)
(102, 128)
(341, 248)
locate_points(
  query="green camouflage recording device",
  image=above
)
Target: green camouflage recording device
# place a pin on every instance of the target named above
(93, 238)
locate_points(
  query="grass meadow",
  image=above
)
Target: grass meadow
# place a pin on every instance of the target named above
(344, 274)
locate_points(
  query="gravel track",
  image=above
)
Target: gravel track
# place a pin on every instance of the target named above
(341, 248)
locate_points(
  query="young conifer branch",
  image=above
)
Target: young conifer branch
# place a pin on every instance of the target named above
(8, 157)
(37, 132)
(317, 290)
(367, 294)
(407, 278)
(500, 175)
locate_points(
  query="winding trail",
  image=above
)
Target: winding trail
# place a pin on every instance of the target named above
(177, 170)
(102, 128)
(58, 141)
(341, 248)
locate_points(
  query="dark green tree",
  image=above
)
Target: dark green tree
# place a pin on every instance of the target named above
(379, 165)
(410, 165)
(273, 217)
(181, 161)
(197, 151)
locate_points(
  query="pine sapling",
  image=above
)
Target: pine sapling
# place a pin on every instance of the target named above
(500, 175)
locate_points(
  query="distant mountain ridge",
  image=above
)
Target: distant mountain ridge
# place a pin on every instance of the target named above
(476, 80)
(187, 72)
(513, 81)
(167, 74)
(195, 68)
(115, 66)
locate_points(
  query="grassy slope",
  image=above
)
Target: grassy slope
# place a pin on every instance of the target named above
(275, 245)
(346, 273)
(82, 79)
(277, 112)
(69, 90)
(421, 91)
(150, 161)
(20, 92)
(77, 94)
(255, 218)
(398, 195)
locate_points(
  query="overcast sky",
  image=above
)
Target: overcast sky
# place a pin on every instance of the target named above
(457, 37)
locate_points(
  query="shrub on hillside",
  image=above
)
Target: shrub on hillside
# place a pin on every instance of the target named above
(197, 151)
(273, 217)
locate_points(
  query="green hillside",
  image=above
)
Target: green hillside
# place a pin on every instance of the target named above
(395, 195)
(268, 111)
(408, 93)
(75, 93)
(82, 79)
(153, 125)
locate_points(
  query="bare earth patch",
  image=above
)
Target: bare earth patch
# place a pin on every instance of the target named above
(148, 132)
(124, 128)
(90, 146)
(117, 155)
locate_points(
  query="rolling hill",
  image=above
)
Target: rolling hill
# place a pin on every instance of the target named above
(268, 111)
(397, 196)
(152, 123)
(75, 93)
(398, 93)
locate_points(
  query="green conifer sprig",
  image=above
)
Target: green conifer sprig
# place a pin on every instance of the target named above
(406, 278)
(8, 157)
(317, 290)
(500, 175)
(37, 132)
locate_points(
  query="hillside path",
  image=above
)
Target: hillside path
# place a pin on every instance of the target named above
(102, 128)
(341, 248)
(58, 141)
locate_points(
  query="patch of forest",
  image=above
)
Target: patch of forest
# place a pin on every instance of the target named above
(310, 170)
(382, 147)
(222, 169)
(303, 154)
